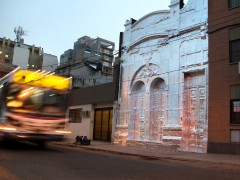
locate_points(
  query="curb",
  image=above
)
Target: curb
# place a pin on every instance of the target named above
(150, 157)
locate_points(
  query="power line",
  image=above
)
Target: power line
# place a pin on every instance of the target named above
(85, 58)
(171, 40)
(73, 61)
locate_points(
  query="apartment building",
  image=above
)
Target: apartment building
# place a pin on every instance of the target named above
(6, 56)
(17, 54)
(90, 62)
(224, 77)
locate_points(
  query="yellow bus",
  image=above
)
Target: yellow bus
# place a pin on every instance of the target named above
(32, 106)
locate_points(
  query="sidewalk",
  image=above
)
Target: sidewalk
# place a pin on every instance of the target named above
(220, 159)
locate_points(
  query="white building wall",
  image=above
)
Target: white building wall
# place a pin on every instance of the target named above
(50, 62)
(85, 128)
(21, 56)
(164, 61)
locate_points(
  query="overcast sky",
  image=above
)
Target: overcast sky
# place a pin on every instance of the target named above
(55, 25)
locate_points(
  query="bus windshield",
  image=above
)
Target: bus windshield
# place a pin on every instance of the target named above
(25, 98)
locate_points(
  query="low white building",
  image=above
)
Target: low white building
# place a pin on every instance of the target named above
(27, 57)
(163, 92)
(21, 56)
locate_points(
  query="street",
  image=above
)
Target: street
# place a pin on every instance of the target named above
(28, 161)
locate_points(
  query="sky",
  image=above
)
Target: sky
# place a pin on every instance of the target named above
(55, 25)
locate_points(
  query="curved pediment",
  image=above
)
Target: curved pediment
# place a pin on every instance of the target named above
(161, 37)
(153, 17)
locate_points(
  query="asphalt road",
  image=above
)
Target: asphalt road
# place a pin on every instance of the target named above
(26, 161)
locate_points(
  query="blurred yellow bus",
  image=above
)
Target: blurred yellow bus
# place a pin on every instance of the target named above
(32, 106)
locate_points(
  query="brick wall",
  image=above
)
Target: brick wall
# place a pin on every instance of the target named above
(222, 74)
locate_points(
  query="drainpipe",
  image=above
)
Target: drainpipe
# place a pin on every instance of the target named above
(120, 65)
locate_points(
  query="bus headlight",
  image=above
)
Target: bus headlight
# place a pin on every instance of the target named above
(63, 132)
(7, 128)
(14, 103)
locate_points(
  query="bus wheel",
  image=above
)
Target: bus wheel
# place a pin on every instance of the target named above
(41, 144)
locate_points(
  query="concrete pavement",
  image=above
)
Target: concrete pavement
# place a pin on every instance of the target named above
(215, 159)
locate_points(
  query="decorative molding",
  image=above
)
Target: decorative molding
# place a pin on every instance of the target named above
(149, 70)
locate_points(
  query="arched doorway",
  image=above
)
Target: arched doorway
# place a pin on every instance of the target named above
(157, 109)
(137, 116)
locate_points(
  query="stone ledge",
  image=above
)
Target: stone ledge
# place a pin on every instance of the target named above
(153, 145)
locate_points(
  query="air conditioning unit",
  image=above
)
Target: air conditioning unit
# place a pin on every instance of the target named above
(86, 114)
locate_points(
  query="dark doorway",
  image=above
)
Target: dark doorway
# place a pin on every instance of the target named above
(103, 124)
